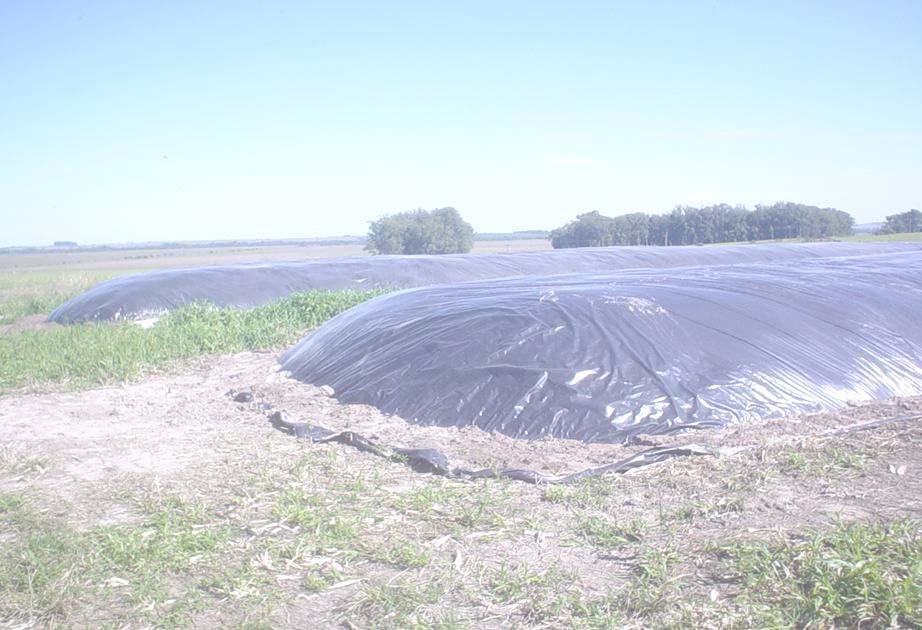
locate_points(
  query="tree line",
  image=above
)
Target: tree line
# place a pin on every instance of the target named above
(909, 221)
(721, 223)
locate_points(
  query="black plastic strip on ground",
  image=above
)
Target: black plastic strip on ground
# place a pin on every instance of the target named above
(432, 461)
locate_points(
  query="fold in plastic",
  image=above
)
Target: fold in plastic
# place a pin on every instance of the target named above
(603, 357)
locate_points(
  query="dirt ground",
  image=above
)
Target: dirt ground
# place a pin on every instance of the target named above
(166, 422)
(95, 451)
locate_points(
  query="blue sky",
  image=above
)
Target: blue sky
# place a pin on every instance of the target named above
(131, 121)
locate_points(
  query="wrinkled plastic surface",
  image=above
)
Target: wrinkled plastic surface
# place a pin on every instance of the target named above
(608, 356)
(254, 284)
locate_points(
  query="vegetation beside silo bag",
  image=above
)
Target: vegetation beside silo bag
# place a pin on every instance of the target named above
(89, 354)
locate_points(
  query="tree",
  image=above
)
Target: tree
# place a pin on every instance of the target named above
(909, 221)
(590, 229)
(440, 231)
(794, 220)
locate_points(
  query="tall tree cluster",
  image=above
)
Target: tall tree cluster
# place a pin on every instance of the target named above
(440, 231)
(686, 225)
(909, 221)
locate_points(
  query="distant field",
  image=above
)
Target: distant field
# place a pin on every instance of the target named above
(861, 238)
(884, 238)
(35, 283)
(142, 259)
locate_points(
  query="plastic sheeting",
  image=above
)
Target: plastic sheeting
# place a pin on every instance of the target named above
(254, 284)
(606, 357)
(430, 460)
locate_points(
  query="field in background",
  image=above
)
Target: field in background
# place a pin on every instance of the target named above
(912, 237)
(884, 238)
(35, 283)
(159, 258)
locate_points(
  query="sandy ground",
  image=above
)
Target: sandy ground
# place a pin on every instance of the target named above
(182, 430)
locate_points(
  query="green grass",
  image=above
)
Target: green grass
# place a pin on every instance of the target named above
(319, 579)
(169, 538)
(866, 572)
(49, 567)
(449, 507)
(648, 592)
(26, 292)
(405, 604)
(331, 523)
(883, 238)
(706, 509)
(392, 551)
(550, 596)
(820, 462)
(601, 532)
(9, 504)
(90, 354)
(852, 238)
(404, 553)
(15, 308)
(593, 492)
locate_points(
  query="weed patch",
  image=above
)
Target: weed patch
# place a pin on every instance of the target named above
(405, 604)
(551, 595)
(819, 462)
(404, 553)
(330, 524)
(648, 591)
(601, 532)
(47, 568)
(716, 508)
(589, 493)
(866, 572)
(455, 508)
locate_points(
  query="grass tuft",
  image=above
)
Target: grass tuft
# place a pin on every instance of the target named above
(648, 591)
(589, 493)
(404, 553)
(601, 532)
(820, 462)
(405, 604)
(551, 597)
(866, 572)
